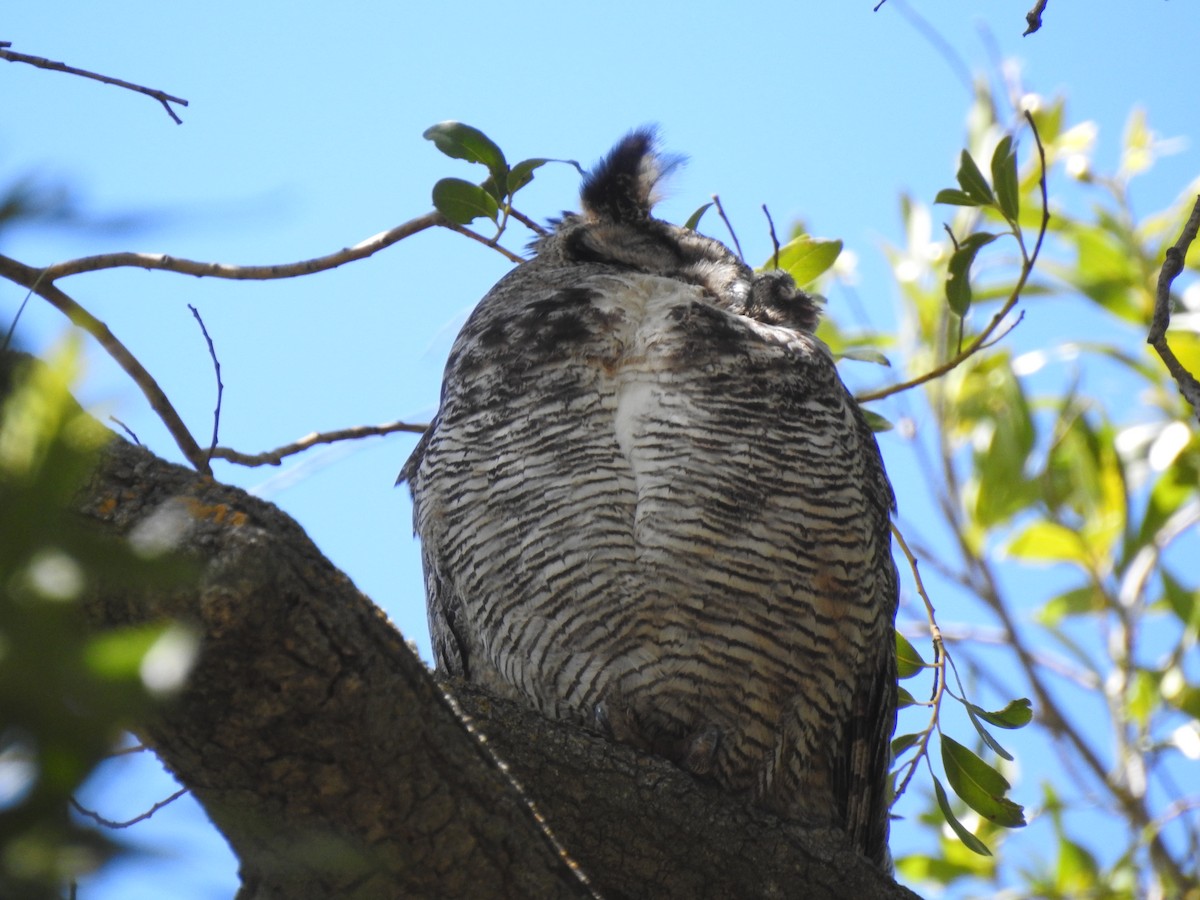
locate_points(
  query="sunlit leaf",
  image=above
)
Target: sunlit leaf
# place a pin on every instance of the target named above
(460, 141)
(968, 839)
(865, 354)
(877, 422)
(806, 258)
(1050, 542)
(694, 219)
(1075, 602)
(463, 202)
(118, 654)
(979, 785)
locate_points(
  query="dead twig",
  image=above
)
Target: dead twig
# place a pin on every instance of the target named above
(1172, 265)
(212, 352)
(1033, 18)
(109, 823)
(35, 280)
(161, 96)
(733, 234)
(275, 457)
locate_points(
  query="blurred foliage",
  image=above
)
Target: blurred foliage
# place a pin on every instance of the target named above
(1090, 495)
(66, 691)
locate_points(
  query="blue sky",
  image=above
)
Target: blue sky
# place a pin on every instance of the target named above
(303, 135)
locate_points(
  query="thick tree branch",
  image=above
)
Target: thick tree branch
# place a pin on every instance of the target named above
(335, 766)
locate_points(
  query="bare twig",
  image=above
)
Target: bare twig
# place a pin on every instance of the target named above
(109, 823)
(276, 456)
(1157, 338)
(733, 234)
(981, 340)
(162, 97)
(212, 352)
(527, 222)
(774, 237)
(129, 431)
(487, 242)
(1033, 18)
(162, 261)
(33, 279)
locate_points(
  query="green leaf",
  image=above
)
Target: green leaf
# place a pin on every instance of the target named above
(807, 258)
(987, 735)
(876, 422)
(979, 785)
(1004, 177)
(118, 654)
(904, 742)
(955, 197)
(958, 281)
(865, 354)
(522, 173)
(908, 660)
(1050, 542)
(463, 202)
(972, 181)
(694, 219)
(904, 698)
(1017, 714)
(968, 839)
(460, 141)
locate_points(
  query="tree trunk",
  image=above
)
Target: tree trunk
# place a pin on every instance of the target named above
(336, 766)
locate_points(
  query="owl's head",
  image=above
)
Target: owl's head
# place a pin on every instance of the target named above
(616, 228)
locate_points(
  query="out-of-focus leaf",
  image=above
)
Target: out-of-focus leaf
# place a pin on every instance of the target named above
(463, 202)
(1050, 542)
(806, 258)
(118, 654)
(694, 219)
(991, 742)
(979, 785)
(1004, 177)
(460, 141)
(968, 839)
(972, 182)
(1075, 602)
(1183, 602)
(877, 422)
(908, 660)
(865, 354)
(1143, 695)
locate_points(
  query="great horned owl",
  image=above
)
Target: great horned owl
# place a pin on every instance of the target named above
(648, 504)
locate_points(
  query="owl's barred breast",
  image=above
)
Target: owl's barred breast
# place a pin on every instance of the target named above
(648, 504)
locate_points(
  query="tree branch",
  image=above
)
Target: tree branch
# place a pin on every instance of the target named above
(325, 753)
(276, 456)
(161, 96)
(1157, 338)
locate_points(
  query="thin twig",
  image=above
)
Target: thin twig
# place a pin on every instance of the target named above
(32, 278)
(981, 340)
(733, 234)
(1033, 18)
(212, 352)
(162, 261)
(162, 97)
(275, 457)
(109, 823)
(129, 431)
(527, 222)
(774, 237)
(487, 242)
(1157, 338)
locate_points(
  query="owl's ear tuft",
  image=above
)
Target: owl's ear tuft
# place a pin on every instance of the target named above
(621, 188)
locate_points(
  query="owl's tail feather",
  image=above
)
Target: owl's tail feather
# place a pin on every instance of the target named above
(621, 188)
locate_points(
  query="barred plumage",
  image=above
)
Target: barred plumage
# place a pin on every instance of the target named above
(648, 504)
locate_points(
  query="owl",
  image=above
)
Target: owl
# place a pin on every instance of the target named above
(648, 505)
